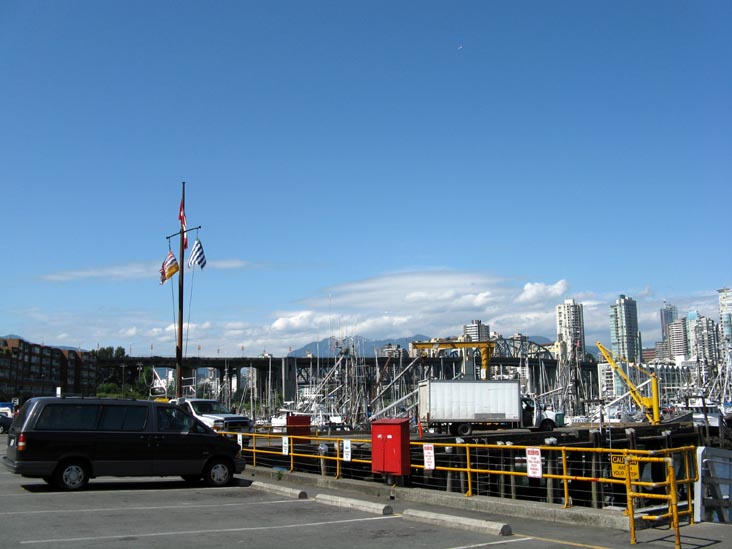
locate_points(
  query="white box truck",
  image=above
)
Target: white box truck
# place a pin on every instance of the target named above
(463, 405)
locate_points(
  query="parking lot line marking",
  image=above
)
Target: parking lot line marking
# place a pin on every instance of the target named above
(151, 508)
(197, 532)
(565, 542)
(50, 492)
(489, 543)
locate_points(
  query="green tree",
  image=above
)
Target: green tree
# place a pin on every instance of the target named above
(105, 352)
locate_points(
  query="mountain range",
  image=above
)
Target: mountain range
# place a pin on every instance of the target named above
(362, 346)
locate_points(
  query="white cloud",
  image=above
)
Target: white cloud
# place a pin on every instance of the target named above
(536, 291)
(435, 303)
(135, 271)
(294, 321)
(229, 264)
(115, 272)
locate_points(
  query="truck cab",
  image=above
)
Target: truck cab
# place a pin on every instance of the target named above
(537, 416)
(214, 414)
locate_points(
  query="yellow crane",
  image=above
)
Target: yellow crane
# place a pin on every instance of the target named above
(651, 405)
(485, 347)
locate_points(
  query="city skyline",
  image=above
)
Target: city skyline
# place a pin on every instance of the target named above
(569, 320)
(375, 169)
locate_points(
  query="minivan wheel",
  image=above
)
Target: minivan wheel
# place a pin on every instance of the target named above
(71, 475)
(219, 473)
(2, 429)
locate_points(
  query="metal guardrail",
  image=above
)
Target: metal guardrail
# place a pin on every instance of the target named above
(669, 496)
(510, 468)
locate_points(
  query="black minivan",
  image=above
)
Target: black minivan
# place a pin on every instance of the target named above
(68, 440)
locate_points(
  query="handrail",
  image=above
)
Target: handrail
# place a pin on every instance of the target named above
(554, 463)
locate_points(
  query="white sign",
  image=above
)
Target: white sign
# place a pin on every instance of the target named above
(285, 446)
(533, 462)
(346, 450)
(429, 456)
(240, 440)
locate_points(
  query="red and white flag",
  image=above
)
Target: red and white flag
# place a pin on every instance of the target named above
(182, 217)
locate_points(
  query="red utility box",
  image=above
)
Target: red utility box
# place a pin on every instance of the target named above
(298, 425)
(390, 446)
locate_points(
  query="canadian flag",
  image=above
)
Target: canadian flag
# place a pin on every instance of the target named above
(182, 217)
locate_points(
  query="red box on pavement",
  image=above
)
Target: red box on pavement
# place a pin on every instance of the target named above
(390, 446)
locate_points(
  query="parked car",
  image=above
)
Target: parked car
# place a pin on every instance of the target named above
(67, 441)
(5, 422)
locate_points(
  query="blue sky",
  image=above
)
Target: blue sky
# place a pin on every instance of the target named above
(372, 168)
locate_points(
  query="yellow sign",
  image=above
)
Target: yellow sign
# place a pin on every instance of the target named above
(617, 463)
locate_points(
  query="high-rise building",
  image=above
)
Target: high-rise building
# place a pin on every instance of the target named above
(663, 350)
(476, 331)
(571, 329)
(624, 334)
(669, 313)
(678, 342)
(725, 314)
(703, 342)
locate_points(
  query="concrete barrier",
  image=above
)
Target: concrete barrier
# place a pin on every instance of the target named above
(357, 504)
(282, 490)
(553, 512)
(464, 523)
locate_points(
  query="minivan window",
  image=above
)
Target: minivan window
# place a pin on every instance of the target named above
(68, 417)
(174, 419)
(19, 418)
(123, 418)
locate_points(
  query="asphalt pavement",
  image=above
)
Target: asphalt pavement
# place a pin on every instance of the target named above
(576, 527)
(276, 508)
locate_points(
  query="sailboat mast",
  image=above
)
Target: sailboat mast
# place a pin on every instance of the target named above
(179, 344)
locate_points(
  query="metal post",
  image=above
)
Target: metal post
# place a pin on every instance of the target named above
(512, 468)
(550, 459)
(179, 342)
(630, 503)
(674, 502)
(595, 468)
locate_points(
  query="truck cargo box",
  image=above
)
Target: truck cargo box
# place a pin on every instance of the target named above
(470, 402)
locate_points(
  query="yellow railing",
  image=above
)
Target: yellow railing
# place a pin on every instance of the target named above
(552, 463)
(262, 444)
(555, 457)
(670, 497)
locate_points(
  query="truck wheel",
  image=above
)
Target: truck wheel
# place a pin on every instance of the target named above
(219, 473)
(464, 429)
(71, 475)
(546, 425)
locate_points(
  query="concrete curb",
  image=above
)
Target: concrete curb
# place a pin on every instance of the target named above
(552, 512)
(359, 505)
(282, 490)
(464, 523)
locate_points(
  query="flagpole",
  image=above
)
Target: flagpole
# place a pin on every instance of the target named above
(179, 346)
